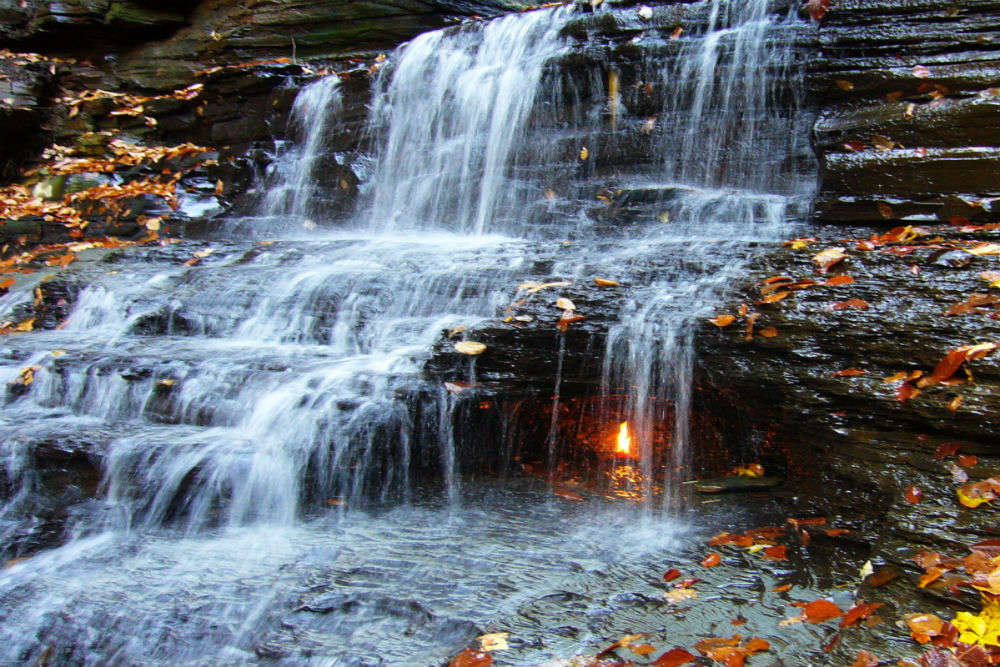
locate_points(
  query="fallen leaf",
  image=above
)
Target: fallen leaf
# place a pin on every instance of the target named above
(671, 574)
(604, 282)
(774, 298)
(921, 72)
(776, 552)
(470, 347)
(906, 391)
(565, 304)
(768, 332)
(495, 641)
(584, 153)
(913, 494)
(965, 460)
(839, 280)
(676, 595)
(844, 85)
(673, 658)
(817, 8)
(819, 611)
(722, 320)
(566, 494)
(945, 449)
(711, 560)
(848, 372)
(471, 658)
(856, 304)
(865, 659)
(955, 403)
(924, 627)
(929, 577)
(858, 612)
(829, 258)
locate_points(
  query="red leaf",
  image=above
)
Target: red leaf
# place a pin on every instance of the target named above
(967, 460)
(673, 658)
(819, 611)
(913, 494)
(711, 560)
(905, 392)
(671, 574)
(777, 553)
(839, 280)
(848, 372)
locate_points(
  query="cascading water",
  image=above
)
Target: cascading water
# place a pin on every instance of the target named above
(211, 423)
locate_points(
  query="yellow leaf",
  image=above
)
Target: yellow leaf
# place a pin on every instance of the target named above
(495, 641)
(27, 325)
(982, 629)
(676, 595)
(604, 282)
(565, 304)
(985, 249)
(969, 501)
(58, 353)
(470, 347)
(584, 153)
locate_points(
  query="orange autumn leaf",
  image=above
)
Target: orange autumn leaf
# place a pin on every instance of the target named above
(642, 649)
(975, 494)
(836, 532)
(819, 611)
(858, 612)
(722, 320)
(924, 627)
(929, 577)
(967, 460)
(8, 283)
(856, 304)
(906, 391)
(673, 658)
(839, 280)
(711, 560)
(848, 372)
(768, 332)
(778, 279)
(471, 658)
(774, 298)
(671, 574)
(782, 588)
(913, 494)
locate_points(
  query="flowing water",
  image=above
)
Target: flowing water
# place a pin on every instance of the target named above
(242, 457)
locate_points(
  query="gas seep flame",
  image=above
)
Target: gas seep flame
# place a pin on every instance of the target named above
(624, 440)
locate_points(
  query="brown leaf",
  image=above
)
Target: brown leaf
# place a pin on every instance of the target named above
(906, 391)
(839, 280)
(768, 332)
(882, 576)
(968, 460)
(929, 577)
(848, 372)
(844, 85)
(779, 552)
(913, 494)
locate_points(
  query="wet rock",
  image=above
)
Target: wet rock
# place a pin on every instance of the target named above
(866, 441)
(908, 108)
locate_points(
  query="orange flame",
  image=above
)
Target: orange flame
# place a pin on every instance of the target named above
(624, 439)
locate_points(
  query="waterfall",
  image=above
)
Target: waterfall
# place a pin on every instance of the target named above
(231, 453)
(451, 113)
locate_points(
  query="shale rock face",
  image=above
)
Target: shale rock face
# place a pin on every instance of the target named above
(910, 109)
